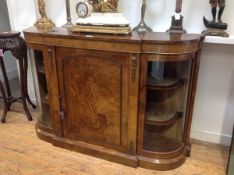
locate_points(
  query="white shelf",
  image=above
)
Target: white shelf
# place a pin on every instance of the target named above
(219, 40)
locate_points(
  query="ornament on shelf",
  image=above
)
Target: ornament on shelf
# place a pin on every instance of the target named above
(142, 26)
(216, 27)
(100, 16)
(177, 20)
(43, 23)
(105, 6)
(68, 11)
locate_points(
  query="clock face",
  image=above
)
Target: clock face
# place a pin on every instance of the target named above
(82, 9)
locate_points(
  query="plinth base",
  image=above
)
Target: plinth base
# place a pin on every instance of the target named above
(172, 161)
(176, 25)
(142, 28)
(101, 29)
(215, 32)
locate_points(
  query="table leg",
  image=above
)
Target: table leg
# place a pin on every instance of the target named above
(8, 96)
(5, 103)
(23, 89)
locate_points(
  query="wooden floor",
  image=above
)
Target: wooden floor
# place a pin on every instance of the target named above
(22, 153)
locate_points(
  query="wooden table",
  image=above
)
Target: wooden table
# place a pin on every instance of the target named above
(11, 41)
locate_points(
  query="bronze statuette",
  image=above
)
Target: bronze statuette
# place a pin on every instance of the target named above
(216, 27)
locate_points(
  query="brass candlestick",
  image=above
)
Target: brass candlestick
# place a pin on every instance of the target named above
(43, 23)
(69, 19)
(142, 26)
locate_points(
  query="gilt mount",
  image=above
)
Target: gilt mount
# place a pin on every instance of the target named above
(109, 6)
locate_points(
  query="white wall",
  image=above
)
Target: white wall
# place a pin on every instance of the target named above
(158, 13)
(213, 112)
(214, 104)
(22, 15)
(9, 60)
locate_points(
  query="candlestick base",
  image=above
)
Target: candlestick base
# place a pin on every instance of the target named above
(44, 24)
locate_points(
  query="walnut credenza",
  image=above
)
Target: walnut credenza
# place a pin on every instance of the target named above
(123, 98)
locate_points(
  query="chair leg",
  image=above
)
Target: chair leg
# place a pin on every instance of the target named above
(26, 82)
(5, 103)
(23, 90)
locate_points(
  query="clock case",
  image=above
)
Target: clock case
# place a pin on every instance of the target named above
(88, 8)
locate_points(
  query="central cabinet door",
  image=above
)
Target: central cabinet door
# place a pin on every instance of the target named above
(94, 87)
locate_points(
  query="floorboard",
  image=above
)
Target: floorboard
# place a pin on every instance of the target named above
(23, 153)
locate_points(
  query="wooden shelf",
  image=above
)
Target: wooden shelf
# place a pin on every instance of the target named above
(159, 143)
(163, 84)
(161, 117)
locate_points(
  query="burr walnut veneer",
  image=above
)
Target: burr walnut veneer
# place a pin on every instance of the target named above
(124, 98)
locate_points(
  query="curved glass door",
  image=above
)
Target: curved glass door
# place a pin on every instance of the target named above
(44, 117)
(166, 99)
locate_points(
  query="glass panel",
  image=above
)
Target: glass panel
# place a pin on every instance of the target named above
(44, 116)
(167, 88)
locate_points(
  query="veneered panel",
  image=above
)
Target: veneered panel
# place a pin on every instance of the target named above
(93, 98)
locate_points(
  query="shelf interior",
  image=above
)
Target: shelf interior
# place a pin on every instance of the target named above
(160, 143)
(153, 83)
(159, 116)
(44, 117)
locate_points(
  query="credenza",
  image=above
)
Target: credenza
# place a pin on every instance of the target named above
(124, 98)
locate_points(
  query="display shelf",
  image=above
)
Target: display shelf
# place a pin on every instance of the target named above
(161, 117)
(152, 83)
(159, 143)
(219, 40)
(44, 117)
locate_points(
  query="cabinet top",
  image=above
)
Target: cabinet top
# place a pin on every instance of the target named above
(60, 32)
(165, 37)
(156, 37)
(133, 43)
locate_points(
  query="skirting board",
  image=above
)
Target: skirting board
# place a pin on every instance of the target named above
(211, 137)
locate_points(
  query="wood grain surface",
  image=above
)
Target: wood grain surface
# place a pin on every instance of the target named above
(22, 153)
